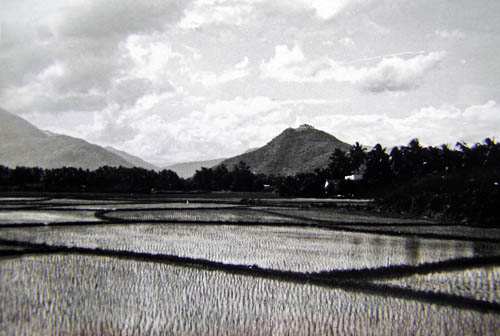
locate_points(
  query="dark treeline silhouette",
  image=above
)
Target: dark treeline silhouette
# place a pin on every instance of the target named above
(460, 184)
(130, 180)
(103, 179)
(220, 178)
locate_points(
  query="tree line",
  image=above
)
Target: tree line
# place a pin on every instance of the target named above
(460, 183)
(129, 180)
(103, 179)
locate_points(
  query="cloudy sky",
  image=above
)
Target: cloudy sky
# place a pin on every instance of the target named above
(180, 80)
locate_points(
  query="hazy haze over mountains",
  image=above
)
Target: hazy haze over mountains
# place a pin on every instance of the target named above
(187, 169)
(22, 144)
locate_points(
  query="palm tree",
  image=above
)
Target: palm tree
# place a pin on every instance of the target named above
(357, 156)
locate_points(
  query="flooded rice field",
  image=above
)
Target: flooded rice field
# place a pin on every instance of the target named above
(301, 249)
(128, 267)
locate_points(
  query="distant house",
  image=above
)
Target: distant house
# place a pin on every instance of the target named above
(354, 177)
(357, 175)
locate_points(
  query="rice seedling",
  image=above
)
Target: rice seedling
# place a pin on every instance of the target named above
(444, 230)
(238, 215)
(21, 199)
(303, 249)
(8, 206)
(72, 201)
(148, 206)
(75, 294)
(91, 294)
(335, 216)
(476, 283)
(45, 216)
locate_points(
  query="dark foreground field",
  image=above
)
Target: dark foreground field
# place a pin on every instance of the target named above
(220, 266)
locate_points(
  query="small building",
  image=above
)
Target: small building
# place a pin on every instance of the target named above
(353, 177)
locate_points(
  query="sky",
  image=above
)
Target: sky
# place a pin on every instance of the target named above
(184, 80)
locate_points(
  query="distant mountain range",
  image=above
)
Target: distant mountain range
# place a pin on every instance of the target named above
(22, 144)
(296, 150)
(134, 160)
(187, 169)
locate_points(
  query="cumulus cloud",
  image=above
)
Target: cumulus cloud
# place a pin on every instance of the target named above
(326, 9)
(116, 18)
(432, 125)
(147, 76)
(150, 60)
(208, 78)
(238, 12)
(205, 12)
(390, 74)
(79, 49)
(398, 74)
(347, 42)
(219, 128)
(229, 127)
(222, 127)
(450, 34)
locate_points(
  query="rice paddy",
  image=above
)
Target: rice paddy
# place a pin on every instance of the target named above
(301, 249)
(74, 294)
(125, 267)
(45, 216)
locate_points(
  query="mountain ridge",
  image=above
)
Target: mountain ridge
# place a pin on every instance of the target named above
(295, 150)
(137, 161)
(23, 144)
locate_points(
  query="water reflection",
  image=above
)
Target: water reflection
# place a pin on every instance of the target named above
(412, 250)
(284, 248)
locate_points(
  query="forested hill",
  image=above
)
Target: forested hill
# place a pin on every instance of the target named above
(294, 151)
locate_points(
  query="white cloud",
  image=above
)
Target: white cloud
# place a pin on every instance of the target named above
(312, 101)
(224, 127)
(115, 19)
(432, 125)
(450, 34)
(398, 74)
(291, 65)
(347, 42)
(149, 57)
(208, 78)
(123, 72)
(206, 12)
(229, 127)
(327, 9)
(220, 128)
(243, 64)
(390, 74)
(67, 50)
